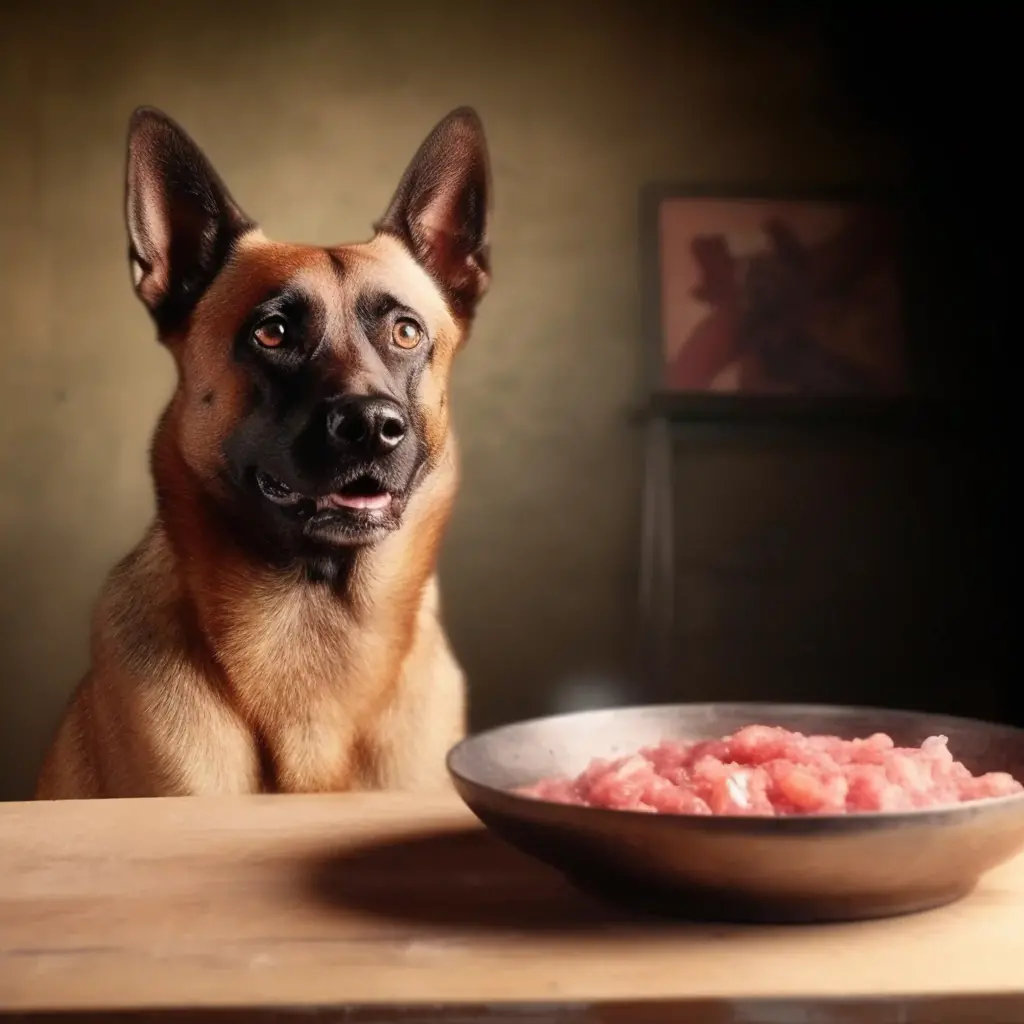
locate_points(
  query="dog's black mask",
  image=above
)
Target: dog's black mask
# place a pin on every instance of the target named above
(332, 443)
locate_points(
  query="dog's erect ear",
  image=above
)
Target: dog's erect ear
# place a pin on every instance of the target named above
(181, 219)
(441, 206)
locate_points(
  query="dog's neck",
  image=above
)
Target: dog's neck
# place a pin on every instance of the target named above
(220, 574)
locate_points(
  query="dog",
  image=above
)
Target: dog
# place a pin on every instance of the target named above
(278, 628)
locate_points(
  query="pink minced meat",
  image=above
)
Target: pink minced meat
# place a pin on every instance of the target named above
(762, 770)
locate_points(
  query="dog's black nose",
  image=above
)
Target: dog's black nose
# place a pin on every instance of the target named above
(365, 426)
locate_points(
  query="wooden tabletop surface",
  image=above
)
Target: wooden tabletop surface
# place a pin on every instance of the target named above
(365, 901)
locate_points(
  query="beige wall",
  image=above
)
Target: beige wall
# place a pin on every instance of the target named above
(310, 116)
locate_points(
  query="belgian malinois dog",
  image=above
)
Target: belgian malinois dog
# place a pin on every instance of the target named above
(278, 627)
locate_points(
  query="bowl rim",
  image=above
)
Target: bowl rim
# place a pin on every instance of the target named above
(792, 823)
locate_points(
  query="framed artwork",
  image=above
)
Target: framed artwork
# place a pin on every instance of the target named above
(774, 301)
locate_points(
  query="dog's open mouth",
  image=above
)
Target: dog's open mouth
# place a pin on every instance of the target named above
(364, 493)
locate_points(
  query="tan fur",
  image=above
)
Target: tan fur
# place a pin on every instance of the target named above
(213, 674)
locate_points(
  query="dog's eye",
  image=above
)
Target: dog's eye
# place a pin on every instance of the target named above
(405, 334)
(271, 334)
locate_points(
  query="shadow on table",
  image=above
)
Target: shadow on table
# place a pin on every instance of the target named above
(461, 877)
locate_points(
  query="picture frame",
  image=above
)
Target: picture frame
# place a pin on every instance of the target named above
(794, 304)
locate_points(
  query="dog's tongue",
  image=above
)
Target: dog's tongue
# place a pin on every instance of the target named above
(360, 501)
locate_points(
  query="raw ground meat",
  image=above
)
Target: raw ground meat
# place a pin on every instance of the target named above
(763, 770)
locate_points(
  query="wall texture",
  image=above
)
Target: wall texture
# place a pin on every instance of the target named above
(310, 111)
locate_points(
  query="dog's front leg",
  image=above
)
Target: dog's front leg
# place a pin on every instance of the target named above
(169, 735)
(188, 741)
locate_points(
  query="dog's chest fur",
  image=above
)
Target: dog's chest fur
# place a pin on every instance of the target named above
(273, 683)
(325, 686)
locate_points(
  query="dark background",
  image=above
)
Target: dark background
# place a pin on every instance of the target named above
(872, 564)
(810, 564)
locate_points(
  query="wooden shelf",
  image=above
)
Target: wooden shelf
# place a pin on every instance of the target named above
(928, 418)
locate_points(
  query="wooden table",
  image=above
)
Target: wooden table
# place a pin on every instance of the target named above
(389, 908)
